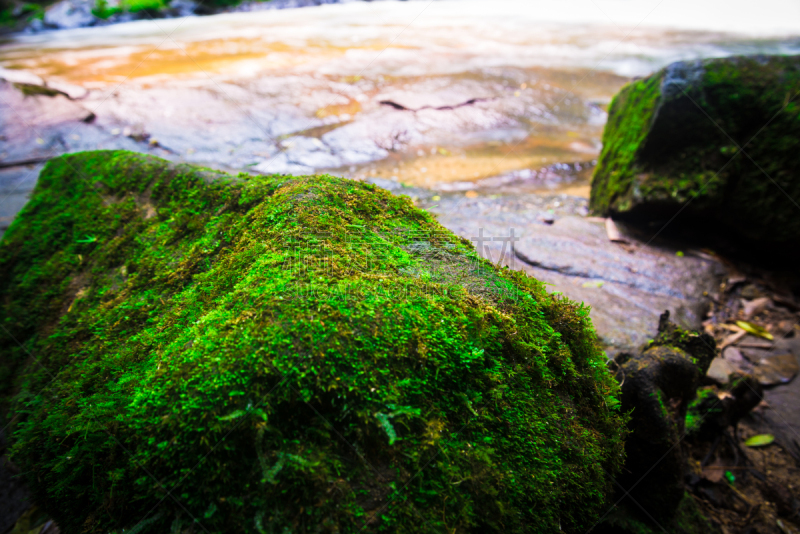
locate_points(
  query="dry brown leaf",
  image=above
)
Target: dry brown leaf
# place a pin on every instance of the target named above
(731, 327)
(731, 339)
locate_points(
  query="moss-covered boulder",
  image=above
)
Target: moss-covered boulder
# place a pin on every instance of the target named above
(281, 354)
(658, 386)
(712, 141)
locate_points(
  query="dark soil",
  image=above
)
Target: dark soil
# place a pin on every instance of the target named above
(753, 490)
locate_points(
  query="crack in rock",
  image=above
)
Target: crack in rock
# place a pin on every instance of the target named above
(401, 107)
(566, 270)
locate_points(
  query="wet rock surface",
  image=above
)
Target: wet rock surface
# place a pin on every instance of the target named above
(300, 124)
(292, 124)
(627, 285)
(16, 184)
(36, 126)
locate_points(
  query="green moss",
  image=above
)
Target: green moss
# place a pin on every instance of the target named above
(29, 89)
(12, 14)
(663, 150)
(104, 11)
(629, 118)
(700, 408)
(287, 354)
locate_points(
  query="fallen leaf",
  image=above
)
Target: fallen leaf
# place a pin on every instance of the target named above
(759, 440)
(593, 284)
(754, 329)
(736, 278)
(731, 339)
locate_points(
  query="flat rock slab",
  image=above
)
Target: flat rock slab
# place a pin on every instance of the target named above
(782, 416)
(627, 286)
(37, 127)
(16, 184)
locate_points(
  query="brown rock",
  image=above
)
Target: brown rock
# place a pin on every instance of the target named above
(776, 370)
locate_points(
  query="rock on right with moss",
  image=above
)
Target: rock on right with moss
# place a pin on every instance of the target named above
(710, 146)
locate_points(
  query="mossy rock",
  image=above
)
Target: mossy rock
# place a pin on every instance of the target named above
(711, 142)
(287, 354)
(657, 386)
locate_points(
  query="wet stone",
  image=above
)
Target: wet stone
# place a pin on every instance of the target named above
(775, 370)
(720, 371)
(626, 291)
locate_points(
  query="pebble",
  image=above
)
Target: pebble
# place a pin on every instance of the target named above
(720, 371)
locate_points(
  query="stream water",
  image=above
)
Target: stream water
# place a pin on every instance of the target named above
(490, 114)
(439, 94)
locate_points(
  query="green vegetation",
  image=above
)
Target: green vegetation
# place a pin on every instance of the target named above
(287, 354)
(629, 117)
(673, 142)
(103, 11)
(13, 12)
(29, 89)
(706, 403)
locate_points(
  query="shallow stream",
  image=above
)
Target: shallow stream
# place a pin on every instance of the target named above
(427, 93)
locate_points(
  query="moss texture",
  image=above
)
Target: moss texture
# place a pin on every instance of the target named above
(282, 354)
(657, 386)
(715, 139)
(29, 89)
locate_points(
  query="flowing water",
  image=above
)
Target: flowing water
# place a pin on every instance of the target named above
(450, 94)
